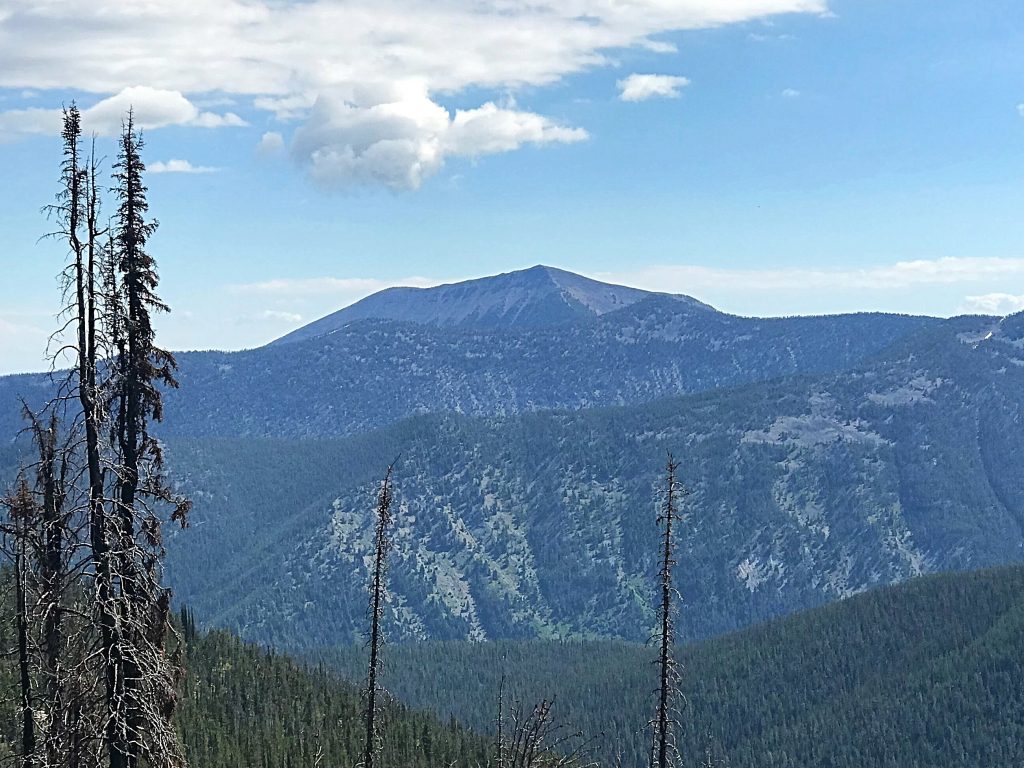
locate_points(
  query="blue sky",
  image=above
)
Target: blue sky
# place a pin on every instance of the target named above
(833, 157)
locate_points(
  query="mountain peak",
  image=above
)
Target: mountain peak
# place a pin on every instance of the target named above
(535, 297)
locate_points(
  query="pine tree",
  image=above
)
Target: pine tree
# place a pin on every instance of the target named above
(146, 676)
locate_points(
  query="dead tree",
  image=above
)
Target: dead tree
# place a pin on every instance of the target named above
(382, 544)
(499, 722)
(537, 740)
(664, 723)
(57, 569)
(76, 212)
(110, 283)
(21, 512)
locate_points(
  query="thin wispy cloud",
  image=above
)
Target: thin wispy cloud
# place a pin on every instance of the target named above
(993, 304)
(645, 87)
(791, 93)
(326, 286)
(281, 316)
(179, 166)
(881, 278)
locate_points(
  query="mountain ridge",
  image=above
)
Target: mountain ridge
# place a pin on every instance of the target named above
(530, 298)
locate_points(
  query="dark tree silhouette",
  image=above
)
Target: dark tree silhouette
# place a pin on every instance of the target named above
(21, 512)
(146, 676)
(378, 592)
(664, 743)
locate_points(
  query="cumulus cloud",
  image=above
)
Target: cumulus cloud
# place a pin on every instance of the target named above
(397, 136)
(179, 166)
(644, 87)
(152, 108)
(293, 59)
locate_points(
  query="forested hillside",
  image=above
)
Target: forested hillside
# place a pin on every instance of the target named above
(804, 490)
(244, 706)
(922, 675)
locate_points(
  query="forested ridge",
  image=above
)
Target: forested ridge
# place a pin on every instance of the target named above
(922, 675)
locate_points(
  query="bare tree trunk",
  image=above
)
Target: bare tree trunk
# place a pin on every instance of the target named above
(667, 672)
(378, 591)
(22, 509)
(500, 722)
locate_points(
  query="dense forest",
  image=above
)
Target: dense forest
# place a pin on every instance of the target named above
(926, 674)
(923, 674)
(246, 706)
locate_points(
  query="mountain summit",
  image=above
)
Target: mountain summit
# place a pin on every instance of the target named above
(535, 297)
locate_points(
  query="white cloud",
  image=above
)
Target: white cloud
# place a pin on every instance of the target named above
(270, 144)
(152, 108)
(791, 93)
(285, 57)
(326, 286)
(397, 136)
(271, 48)
(290, 107)
(993, 304)
(1020, 109)
(179, 166)
(643, 87)
(886, 277)
(278, 315)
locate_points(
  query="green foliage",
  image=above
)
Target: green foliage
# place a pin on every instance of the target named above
(252, 708)
(248, 707)
(804, 491)
(923, 675)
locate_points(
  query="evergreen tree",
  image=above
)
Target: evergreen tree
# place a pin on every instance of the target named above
(146, 676)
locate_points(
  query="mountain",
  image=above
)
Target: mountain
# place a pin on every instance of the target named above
(923, 675)
(804, 490)
(370, 373)
(826, 455)
(529, 298)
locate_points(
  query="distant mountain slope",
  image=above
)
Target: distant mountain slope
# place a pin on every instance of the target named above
(529, 298)
(923, 675)
(371, 373)
(805, 490)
